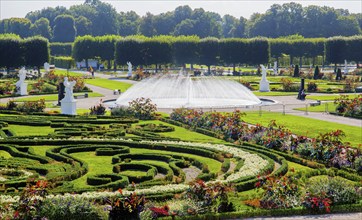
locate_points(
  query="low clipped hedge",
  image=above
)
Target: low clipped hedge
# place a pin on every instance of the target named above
(150, 170)
(13, 151)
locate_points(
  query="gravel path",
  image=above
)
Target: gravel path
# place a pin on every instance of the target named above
(191, 173)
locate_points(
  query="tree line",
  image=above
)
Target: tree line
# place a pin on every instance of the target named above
(181, 50)
(16, 52)
(97, 18)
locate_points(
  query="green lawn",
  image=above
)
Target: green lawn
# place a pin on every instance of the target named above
(22, 130)
(298, 167)
(184, 134)
(275, 93)
(67, 73)
(331, 97)
(4, 154)
(109, 84)
(306, 126)
(54, 97)
(324, 107)
(96, 164)
(40, 150)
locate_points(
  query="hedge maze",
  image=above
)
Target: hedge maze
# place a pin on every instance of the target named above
(92, 154)
(139, 154)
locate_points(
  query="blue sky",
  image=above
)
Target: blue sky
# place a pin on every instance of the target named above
(237, 8)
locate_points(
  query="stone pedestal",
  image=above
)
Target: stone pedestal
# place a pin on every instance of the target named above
(69, 107)
(264, 85)
(22, 89)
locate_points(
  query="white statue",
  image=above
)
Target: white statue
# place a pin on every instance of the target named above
(22, 75)
(46, 67)
(264, 83)
(129, 69)
(345, 67)
(68, 90)
(21, 85)
(263, 72)
(275, 68)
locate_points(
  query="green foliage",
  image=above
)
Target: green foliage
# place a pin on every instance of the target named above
(69, 208)
(281, 192)
(99, 109)
(10, 52)
(84, 48)
(143, 108)
(63, 62)
(324, 192)
(340, 48)
(61, 49)
(129, 49)
(185, 49)
(312, 87)
(64, 29)
(41, 27)
(126, 207)
(208, 51)
(296, 71)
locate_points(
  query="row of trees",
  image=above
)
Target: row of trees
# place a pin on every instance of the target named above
(97, 18)
(141, 50)
(16, 52)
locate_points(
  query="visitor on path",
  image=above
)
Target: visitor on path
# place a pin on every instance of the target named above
(91, 71)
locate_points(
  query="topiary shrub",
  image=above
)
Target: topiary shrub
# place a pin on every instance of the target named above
(316, 73)
(296, 71)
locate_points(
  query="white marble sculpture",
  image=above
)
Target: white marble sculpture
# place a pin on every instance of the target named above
(21, 85)
(129, 74)
(345, 67)
(264, 83)
(68, 105)
(46, 67)
(275, 68)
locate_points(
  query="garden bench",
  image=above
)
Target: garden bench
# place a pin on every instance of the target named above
(318, 102)
(81, 96)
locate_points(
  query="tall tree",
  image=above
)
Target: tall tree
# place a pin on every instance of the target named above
(233, 51)
(84, 48)
(128, 23)
(38, 46)
(147, 25)
(19, 26)
(164, 23)
(229, 24)
(129, 49)
(42, 27)
(182, 13)
(185, 50)
(209, 51)
(48, 13)
(10, 52)
(83, 26)
(64, 29)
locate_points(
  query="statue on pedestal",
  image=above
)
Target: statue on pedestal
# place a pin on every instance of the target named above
(129, 74)
(68, 90)
(46, 67)
(68, 103)
(264, 83)
(275, 68)
(21, 86)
